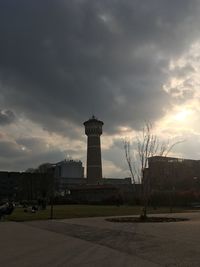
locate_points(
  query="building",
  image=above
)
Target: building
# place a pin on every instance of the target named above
(25, 186)
(68, 172)
(109, 190)
(168, 173)
(69, 169)
(9, 182)
(94, 189)
(67, 177)
(93, 130)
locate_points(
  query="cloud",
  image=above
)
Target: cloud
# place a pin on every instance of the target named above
(6, 117)
(187, 149)
(10, 150)
(27, 153)
(63, 61)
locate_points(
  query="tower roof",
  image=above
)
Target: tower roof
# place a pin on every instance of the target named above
(93, 119)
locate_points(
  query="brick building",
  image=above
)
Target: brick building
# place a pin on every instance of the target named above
(168, 173)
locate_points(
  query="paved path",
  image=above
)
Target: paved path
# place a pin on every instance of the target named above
(96, 242)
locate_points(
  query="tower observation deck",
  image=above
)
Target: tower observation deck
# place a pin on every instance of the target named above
(93, 130)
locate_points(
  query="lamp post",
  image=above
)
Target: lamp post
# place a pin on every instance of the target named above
(52, 196)
(197, 184)
(172, 198)
(51, 210)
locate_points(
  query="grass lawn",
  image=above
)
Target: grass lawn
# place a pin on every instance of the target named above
(80, 211)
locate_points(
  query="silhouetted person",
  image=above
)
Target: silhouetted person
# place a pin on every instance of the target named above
(6, 209)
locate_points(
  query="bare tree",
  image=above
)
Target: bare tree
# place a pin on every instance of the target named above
(147, 145)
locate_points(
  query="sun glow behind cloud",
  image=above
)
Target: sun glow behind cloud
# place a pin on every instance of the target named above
(181, 121)
(183, 115)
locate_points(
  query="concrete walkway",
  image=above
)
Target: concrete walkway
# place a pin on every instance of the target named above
(96, 242)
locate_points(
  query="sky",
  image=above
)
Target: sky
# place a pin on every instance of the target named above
(127, 62)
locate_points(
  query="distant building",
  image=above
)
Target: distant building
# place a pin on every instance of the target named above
(108, 190)
(69, 169)
(9, 182)
(68, 172)
(25, 186)
(168, 173)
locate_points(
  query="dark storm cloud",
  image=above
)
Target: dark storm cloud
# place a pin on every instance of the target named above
(36, 144)
(26, 153)
(64, 60)
(6, 117)
(10, 150)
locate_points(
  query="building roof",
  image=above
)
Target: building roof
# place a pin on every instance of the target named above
(93, 119)
(68, 162)
(171, 159)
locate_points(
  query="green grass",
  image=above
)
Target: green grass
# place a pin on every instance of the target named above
(81, 211)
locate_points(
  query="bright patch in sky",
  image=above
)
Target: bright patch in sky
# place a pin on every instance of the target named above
(183, 115)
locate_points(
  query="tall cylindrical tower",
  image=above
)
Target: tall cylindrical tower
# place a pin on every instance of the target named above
(93, 130)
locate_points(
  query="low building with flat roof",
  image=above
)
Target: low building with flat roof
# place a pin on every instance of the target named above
(167, 173)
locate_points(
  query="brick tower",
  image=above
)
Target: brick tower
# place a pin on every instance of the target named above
(93, 130)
